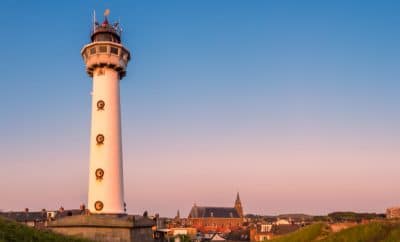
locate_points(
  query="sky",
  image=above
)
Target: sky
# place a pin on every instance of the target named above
(294, 104)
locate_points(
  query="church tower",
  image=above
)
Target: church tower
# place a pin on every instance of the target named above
(106, 61)
(238, 206)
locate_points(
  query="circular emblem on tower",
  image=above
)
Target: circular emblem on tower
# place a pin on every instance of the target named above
(100, 139)
(100, 105)
(99, 173)
(98, 205)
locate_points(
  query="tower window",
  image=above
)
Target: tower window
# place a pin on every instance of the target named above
(100, 105)
(114, 50)
(100, 139)
(99, 173)
(98, 205)
(102, 48)
(92, 51)
(103, 37)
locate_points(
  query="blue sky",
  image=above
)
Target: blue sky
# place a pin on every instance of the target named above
(280, 100)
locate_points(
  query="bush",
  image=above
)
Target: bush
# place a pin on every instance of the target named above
(14, 232)
(382, 231)
(306, 234)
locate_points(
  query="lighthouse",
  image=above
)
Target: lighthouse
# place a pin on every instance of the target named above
(106, 61)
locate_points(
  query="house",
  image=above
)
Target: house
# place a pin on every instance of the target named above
(31, 219)
(262, 232)
(39, 219)
(393, 212)
(213, 237)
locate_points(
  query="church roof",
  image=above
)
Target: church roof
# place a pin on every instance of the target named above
(213, 212)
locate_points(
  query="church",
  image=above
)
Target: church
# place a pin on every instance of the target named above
(217, 219)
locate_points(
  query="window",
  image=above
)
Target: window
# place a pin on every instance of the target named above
(92, 51)
(102, 48)
(99, 174)
(98, 205)
(114, 50)
(103, 37)
(100, 105)
(100, 139)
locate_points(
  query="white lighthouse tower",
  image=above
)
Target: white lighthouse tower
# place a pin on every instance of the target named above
(106, 61)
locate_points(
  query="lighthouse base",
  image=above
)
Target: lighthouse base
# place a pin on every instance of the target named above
(121, 228)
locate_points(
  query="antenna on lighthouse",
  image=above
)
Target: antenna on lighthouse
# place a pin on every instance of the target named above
(94, 20)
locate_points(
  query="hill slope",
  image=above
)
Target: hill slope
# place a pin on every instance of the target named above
(11, 231)
(306, 234)
(383, 231)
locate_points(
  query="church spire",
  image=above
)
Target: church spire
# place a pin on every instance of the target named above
(238, 205)
(237, 198)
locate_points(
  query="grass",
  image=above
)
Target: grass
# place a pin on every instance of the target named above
(375, 231)
(306, 234)
(14, 232)
(382, 231)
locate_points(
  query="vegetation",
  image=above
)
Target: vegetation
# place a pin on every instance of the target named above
(306, 234)
(182, 238)
(14, 232)
(352, 216)
(374, 231)
(332, 217)
(378, 231)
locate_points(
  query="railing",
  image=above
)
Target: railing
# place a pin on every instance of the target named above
(114, 28)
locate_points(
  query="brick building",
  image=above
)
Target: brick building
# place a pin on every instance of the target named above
(393, 212)
(218, 219)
